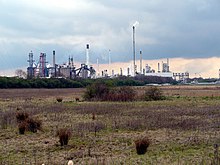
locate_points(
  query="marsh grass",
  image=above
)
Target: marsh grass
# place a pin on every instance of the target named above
(182, 131)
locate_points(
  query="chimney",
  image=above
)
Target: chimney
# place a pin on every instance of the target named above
(54, 58)
(134, 50)
(140, 62)
(158, 67)
(87, 55)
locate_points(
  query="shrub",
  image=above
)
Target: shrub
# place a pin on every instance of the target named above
(125, 93)
(22, 127)
(102, 92)
(21, 116)
(93, 116)
(27, 123)
(33, 125)
(142, 145)
(64, 136)
(59, 99)
(77, 99)
(153, 94)
(96, 91)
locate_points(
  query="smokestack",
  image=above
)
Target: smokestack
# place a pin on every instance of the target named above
(168, 67)
(54, 58)
(140, 62)
(158, 67)
(87, 54)
(69, 61)
(134, 50)
(72, 64)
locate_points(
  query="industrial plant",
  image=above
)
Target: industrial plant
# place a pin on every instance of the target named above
(42, 69)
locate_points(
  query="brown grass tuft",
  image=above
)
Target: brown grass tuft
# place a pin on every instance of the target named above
(64, 135)
(59, 99)
(33, 125)
(142, 145)
(22, 127)
(21, 116)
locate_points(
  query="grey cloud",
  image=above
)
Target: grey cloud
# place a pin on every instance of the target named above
(171, 28)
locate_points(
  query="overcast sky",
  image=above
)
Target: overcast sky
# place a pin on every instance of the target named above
(167, 29)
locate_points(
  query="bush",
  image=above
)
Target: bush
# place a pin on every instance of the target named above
(121, 94)
(21, 116)
(64, 136)
(153, 94)
(33, 125)
(59, 99)
(96, 91)
(142, 145)
(22, 127)
(102, 92)
(27, 123)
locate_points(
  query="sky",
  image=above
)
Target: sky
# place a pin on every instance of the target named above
(187, 32)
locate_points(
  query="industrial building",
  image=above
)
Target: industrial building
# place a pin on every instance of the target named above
(163, 72)
(42, 69)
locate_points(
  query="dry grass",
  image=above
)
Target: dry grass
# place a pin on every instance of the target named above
(182, 130)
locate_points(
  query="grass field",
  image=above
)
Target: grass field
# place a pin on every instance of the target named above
(183, 129)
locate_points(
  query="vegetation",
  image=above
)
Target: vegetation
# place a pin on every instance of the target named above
(16, 82)
(64, 136)
(182, 129)
(21, 116)
(33, 125)
(153, 94)
(102, 92)
(27, 123)
(59, 99)
(96, 91)
(141, 145)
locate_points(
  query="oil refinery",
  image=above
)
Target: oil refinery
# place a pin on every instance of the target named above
(42, 69)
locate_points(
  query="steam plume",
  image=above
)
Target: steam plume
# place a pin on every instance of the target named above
(136, 24)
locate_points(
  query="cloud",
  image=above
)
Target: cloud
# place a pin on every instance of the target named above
(168, 29)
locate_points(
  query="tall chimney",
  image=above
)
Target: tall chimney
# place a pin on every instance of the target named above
(54, 58)
(87, 55)
(134, 50)
(158, 67)
(140, 62)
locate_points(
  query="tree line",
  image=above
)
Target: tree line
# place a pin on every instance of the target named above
(15, 82)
